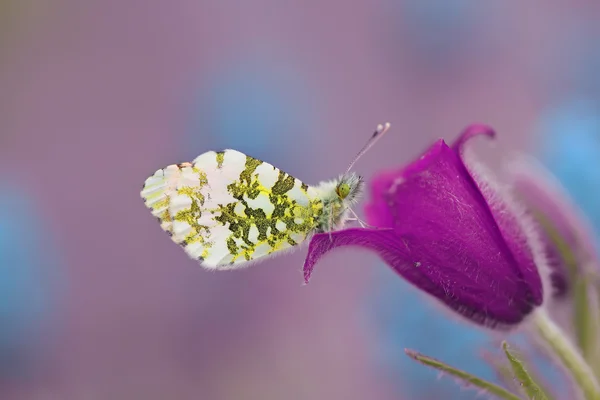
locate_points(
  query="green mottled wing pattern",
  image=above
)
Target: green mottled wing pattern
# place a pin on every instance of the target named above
(227, 209)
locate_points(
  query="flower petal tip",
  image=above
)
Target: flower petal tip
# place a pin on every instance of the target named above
(307, 274)
(470, 132)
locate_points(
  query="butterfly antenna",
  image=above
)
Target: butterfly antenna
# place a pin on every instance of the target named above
(379, 132)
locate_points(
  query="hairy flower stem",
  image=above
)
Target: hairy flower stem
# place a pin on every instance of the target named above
(568, 354)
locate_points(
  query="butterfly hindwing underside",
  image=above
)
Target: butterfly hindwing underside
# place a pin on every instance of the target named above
(227, 209)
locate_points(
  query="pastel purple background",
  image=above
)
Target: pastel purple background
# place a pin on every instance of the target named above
(97, 95)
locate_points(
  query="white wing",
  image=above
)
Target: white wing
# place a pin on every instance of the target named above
(227, 209)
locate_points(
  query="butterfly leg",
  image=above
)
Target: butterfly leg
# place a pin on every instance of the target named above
(361, 222)
(330, 222)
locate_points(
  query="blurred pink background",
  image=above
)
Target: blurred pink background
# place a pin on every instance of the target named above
(97, 95)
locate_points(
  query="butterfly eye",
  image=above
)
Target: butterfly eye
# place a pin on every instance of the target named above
(343, 190)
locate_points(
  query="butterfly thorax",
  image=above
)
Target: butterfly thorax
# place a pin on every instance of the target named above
(338, 196)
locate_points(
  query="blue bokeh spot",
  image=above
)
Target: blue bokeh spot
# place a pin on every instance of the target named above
(29, 271)
(252, 107)
(569, 144)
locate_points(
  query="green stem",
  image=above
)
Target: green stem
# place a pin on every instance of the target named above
(582, 315)
(568, 354)
(587, 320)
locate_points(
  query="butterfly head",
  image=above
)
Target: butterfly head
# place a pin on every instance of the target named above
(349, 187)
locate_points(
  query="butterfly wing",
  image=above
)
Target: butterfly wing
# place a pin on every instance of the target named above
(227, 209)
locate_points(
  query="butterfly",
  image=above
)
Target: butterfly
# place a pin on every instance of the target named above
(228, 210)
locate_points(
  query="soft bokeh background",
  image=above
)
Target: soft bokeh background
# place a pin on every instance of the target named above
(97, 303)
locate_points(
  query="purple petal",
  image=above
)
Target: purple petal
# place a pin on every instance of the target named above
(449, 235)
(447, 229)
(515, 227)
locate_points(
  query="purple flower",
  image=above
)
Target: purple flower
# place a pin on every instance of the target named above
(566, 238)
(450, 232)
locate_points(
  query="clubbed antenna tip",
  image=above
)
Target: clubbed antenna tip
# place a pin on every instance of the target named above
(379, 132)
